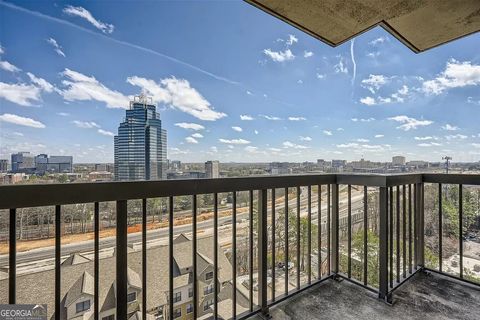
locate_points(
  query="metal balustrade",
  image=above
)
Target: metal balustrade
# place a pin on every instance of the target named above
(394, 213)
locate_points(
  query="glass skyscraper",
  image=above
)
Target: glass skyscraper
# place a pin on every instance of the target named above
(141, 144)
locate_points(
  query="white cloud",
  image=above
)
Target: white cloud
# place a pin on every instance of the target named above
(378, 41)
(1, 50)
(21, 121)
(307, 54)
(449, 127)
(105, 132)
(302, 138)
(328, 133)
(85, 124)
(425, 138)
(340, 67)
(85, 88)
(249, 93)
(63, 114)
(456, 137)
(191, 140)
(473, 101)
(56, 47)
(213, 149)
(191, 126)
(321, 76)
(410, 123)
(297, 118)
(476, 145)
(275, 149)
(273, 118)
(20, 93)
(431, 144)
(279, 56)
(85, 14)
(362, 140)
(7, 66)
(251, 149)
(246, 117)
(456, 75)
(178, 94)
(369, 101)
(340, 129)
(348, 145)
(234, 141)
(375, 82)
(300, 81)
(288, 144)
(373, 54)
(197, 135)
(379, 136)
(255, 131)
(42, 83)
(363, 120)
(291, 39)
(238, 129)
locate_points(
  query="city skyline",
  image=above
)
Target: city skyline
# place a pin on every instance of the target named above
(275, 95)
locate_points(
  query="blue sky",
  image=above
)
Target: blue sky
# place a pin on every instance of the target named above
(231, 83)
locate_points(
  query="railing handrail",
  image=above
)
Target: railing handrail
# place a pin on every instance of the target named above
(36, 195)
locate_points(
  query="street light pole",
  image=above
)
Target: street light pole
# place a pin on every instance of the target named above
(447, 162)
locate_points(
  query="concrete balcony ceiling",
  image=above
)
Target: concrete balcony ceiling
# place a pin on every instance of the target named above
(420, 25)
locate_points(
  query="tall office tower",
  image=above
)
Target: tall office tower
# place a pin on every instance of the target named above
(23, 162)
(141, 144)
(211, 169)
(3, 165)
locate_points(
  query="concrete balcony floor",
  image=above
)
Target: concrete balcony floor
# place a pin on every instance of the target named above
(424, 297)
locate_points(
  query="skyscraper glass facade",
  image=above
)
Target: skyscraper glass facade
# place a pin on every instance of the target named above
(141, 144)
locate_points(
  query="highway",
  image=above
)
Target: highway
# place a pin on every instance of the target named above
(162, 233)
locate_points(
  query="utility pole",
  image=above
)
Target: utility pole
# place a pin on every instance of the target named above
(447, 162)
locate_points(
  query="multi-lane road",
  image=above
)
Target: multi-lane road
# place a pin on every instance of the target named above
(160, 234)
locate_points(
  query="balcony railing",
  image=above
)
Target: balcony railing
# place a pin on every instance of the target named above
(387, 248)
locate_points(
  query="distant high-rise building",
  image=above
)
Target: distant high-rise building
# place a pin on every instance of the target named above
(3, 165)
(398, 160)
(53, 164)
(212, 169)
(23, 162)
(141, 143)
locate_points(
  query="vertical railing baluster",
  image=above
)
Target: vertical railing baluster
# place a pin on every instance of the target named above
(410, 228)
(404, 229)
(440, 228)
(274, 251)
(121, 259)
(420, 239)
(460, 226)
(262, 244)
(335, 229)
(328, 229)
(390, 220)
(215, 255)
(286, 258)
(349, 231)
(397, 229)
(383, 244)
(58, 281)
(144, 259)
(234, 255)
(171, 258)
(298, 237)
(194, 258)
(12, 257)
(96, 259)
(250, 260)
(309, 234)
(319, 240)
(365, 235)
(415, 226)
